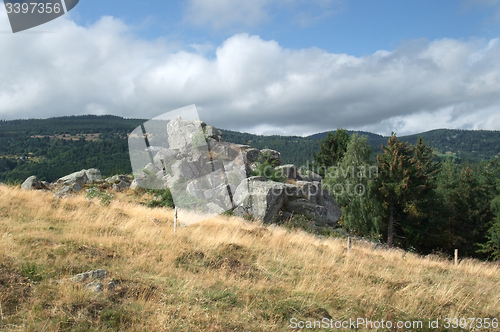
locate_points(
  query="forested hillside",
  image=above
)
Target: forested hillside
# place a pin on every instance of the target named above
(50, 148)
(475, 145)
(54, 147)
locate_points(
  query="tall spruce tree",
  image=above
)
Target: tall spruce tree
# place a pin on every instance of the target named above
(397, 181)
(424, 224)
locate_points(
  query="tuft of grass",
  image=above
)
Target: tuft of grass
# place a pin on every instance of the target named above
(31, 271)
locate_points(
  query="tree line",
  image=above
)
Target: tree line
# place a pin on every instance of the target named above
(413, 201)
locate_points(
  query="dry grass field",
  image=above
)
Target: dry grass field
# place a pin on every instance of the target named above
(223, 274)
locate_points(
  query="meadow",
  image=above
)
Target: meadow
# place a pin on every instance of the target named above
(223, 274)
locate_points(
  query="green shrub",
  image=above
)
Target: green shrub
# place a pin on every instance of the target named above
(267, 168)
(162, 198)
(104, 197)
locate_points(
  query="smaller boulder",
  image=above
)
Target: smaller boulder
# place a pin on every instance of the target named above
(273, 156)
(212, 132)
(302, 206)
(76, 177)
(93, 175)
(32, 183)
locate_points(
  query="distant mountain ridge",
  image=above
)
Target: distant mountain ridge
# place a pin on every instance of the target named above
(461, 144)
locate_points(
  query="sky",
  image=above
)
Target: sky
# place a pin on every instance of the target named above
(287, 67)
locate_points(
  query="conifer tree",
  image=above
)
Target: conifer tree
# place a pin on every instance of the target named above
(331, 150)
(397, 180)
(423, 224)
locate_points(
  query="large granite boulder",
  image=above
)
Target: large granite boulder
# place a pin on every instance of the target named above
(260, 198)
(333, 211)
(201, 169)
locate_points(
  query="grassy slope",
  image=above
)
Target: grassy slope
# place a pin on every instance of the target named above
(219, 275)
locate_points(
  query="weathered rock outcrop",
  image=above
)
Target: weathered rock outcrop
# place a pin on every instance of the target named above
(204, 171)
(208, 175)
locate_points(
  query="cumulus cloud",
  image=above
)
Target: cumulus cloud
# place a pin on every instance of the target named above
(250, 84)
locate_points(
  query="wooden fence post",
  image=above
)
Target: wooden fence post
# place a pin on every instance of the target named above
(456, 256)
(348, 243)
(175, 221)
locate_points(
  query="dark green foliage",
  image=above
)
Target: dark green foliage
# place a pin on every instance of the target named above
(267, 168)
(50, 158)
(423, 223)
(465, 198)
(331, 150)
(474, 145)
(492, 184)
(162, 198)
(398, 181)
(351, 182)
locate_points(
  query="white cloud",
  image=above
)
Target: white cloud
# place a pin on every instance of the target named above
(250, 84)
